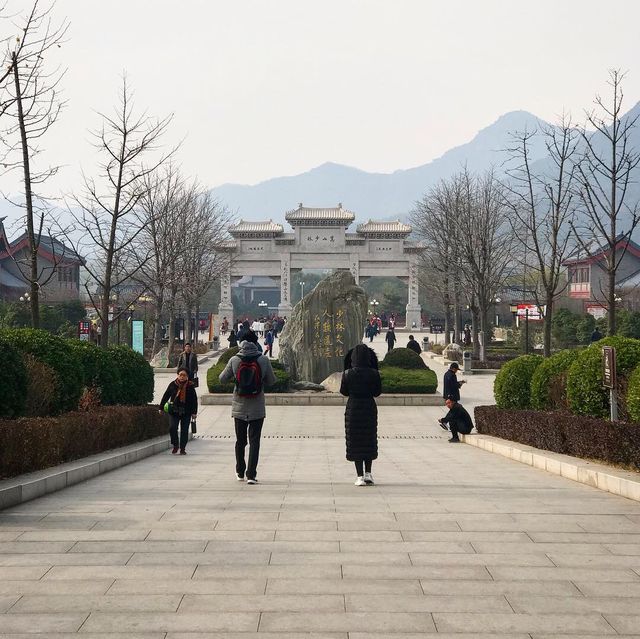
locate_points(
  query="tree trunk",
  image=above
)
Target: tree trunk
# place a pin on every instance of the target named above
(548, 316)
(475, 318)
(484, 330)
(197, 322)
(188, 327)
(612, 299)
(31, 235)
(157, 322)
(172, 324)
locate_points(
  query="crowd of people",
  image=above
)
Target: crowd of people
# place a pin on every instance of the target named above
(251, 371)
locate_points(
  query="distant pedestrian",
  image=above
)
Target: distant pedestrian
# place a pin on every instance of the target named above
(451, 385)
(457, 420)
(390, 338)
(268, 344)
(251, 371)
(232, 339)
(242, 331)
(225, 326)
(188, 360)
(467, 335)
(596, 335)
(361, 383)
(413, 345)
(181, 404)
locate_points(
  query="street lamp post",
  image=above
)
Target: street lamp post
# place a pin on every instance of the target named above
(262, 304)
(302, 290)
(374, 303)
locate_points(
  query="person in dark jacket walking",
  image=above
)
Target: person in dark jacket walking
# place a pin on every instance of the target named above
(184, 408)
(248, 410)
(361, 383)
(413, 345)
(232, 339)
(451, 385)
(268, 343)
(457, 419)
(189, 360)
(390, 338)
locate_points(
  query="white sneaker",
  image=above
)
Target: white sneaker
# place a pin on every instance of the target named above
(368, 479)
(360, 481)
(239, 477)
(252, 481)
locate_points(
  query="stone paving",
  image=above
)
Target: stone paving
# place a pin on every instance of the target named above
(451, 540)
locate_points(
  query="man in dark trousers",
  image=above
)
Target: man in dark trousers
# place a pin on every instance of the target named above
(188, 360)
(451, 385)
(413, 345)
(390, 338)
(457, 420)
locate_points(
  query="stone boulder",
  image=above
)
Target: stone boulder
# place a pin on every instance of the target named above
(307, 386)
(161, 358)
(333, 382)
(324, 325)
(453, 353)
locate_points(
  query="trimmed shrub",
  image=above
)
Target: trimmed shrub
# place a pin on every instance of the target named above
(549, 381)
(585, 393)
(633, 395)
(101, 372)
(403, 358)
(41, 387)
(408, 381)
(13, 380)
(512, 386)
(437, 348)
(136, 376)
(28, 444)
(57, 353)
(579, 436)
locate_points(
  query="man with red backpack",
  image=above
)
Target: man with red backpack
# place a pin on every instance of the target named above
(251, 371)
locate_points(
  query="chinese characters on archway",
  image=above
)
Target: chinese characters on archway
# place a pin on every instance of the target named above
(328, 334)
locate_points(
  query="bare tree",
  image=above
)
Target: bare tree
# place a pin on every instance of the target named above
(105, 220)
(203, 262)
(30, 103)
(605, 174)
(486, 242)
(542, 201)
(434, 220)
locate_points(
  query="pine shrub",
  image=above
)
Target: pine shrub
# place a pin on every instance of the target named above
(512, 386)
(404, 358)
(549, 381)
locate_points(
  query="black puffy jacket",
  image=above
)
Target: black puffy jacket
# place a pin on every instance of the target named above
(361, 384)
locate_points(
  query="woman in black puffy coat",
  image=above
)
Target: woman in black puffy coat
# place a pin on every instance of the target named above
(361, 383)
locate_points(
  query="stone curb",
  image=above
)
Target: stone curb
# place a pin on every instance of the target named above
(325, 399)
(618, 482)
(22, 488)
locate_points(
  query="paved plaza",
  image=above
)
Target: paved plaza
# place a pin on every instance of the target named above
(451, 540)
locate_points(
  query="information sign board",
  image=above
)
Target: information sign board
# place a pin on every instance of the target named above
(137, 336)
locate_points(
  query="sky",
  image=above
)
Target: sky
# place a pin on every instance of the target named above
(264, 88)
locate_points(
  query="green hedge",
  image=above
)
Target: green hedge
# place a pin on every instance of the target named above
(28, 444)
(585, 393)
(512, 386)
(214, 385)
(57, 353)
(633, 395)
(403, 358)
(100, 371)
(13, 380)
(405, 381)
(136, 376)
(549, 381)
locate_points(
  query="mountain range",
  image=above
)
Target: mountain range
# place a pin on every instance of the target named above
(377, 195)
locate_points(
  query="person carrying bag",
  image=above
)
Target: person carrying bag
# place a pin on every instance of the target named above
(180, 402)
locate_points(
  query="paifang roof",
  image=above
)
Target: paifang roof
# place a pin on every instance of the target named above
(306, 213)
(384, 227)
(268, 226)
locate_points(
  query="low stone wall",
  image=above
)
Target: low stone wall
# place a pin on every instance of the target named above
(325, 399)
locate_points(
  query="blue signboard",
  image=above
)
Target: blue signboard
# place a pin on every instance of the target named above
(137, 340)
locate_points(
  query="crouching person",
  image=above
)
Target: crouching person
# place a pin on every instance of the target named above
(251, 371)
(457, 420)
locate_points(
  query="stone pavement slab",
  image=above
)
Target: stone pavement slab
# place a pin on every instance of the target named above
(451, 541)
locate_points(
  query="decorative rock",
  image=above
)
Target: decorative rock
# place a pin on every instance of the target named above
(323, 326)
(332, 383)
(307, 386)
(161, 358)
(453, 352)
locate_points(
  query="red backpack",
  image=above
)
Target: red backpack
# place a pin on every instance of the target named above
(249, 377)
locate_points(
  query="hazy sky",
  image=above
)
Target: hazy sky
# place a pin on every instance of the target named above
(263, 88)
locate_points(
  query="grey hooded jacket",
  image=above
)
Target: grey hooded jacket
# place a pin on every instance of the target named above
(248, 408)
